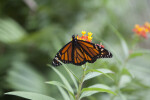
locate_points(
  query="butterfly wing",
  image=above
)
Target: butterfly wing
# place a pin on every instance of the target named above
(104, 53)
(80, 52)
(64, 55)
(84, 52)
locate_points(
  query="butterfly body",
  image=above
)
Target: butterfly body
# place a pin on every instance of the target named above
(78, 52)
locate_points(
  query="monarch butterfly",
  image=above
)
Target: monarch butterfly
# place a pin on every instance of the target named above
(78, 52)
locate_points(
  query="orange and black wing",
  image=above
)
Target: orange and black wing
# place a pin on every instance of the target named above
(79, 52)
(84, 52)
(64, 55)
(104, 53)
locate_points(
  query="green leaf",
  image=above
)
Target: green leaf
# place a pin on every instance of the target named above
(57, 84)
(24, 77)
(61, 85)
(30, 95)
(139, 53)
(122, 40)
(97, 72)
(64, 80)
(95, 89)
(10, 31)
(63, 93)
(125, 71)
(136, 54)
(124, 80)
(71, 74)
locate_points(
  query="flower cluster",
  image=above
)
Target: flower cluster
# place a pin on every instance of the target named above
(88, 38)
(142, 30)
(85, 37)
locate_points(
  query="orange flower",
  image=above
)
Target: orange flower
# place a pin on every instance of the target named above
(142, 30)
(85, 37)
(147, 26)
(90, 34)
(83, 32)
(88, 38)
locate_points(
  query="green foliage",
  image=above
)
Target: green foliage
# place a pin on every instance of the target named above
(95, 89)
(122, 41)
(23, 77)
(10, 31)
(32, 31)
(91, 73)
(85, 91)
(63, 79)
(30, 95)
(60, 87)
(63, 93)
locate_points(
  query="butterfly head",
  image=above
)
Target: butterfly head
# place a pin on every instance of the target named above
(73, 37)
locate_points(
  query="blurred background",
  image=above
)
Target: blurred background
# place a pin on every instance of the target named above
(32, 31)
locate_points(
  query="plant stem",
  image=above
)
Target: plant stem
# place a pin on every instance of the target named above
(81, 83)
